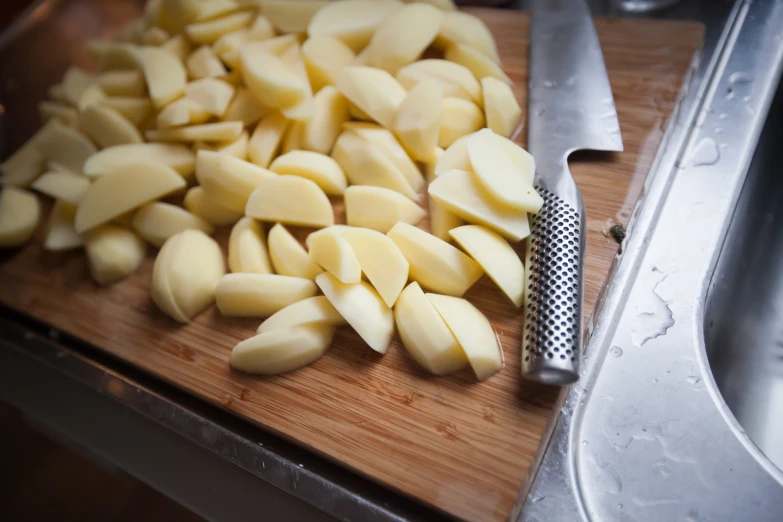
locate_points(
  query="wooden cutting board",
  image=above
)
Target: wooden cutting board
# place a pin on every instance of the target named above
(460, 445)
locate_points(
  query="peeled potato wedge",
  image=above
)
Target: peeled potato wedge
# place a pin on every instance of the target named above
(204, 206)
(303, 110)
(319, 168)
(334, 254)
(330, 112)
(209, 31)
(293, 137)
(182, 112)
(122, 83)
(92, 94)
(247, 251)
(425, 335)
(292, 200)
(435, 264)
(66, 114)
(26, 164)
(372, 90)
(380, 260)
(288, 256)
(61, 235)
(352, 21)
(266, 139)
(455, 157)
(173, 15)
(460, 192)
(455, 80)
(113, 253)
(156, 222)
(473, 332)
(362, 308)
(325, 57)
(211, 9)
(270, 79)
(418, 120)
(219, 131)
(479, 64)
(260, 295)
(236, 148)
(245, 107)
(379, 208)
(442, 220)
(313, 311)
(125, 188)
(204, 63)
(210, 94)
(19, 215)
(75, 82)
(107, 127)
(229, 180)
(501, 108)
(61, 186)
(178, 157)
(460, 118)
(65, 145)
(136, 110)
(464, 28)
(282, 350)
(165, 75)
(292, 17)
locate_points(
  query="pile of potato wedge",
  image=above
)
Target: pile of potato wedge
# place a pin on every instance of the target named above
(259, 115)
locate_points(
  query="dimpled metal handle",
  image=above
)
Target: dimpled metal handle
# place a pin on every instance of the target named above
(552, 338)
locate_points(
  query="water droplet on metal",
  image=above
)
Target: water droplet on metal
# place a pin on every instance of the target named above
(740, 77)
(549, 84)
(693, 379)
(616, 351)
(705, 153)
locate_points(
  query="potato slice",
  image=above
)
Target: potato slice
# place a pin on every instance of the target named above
(363, 309)
(266, 139)
(66, 114)
(455, 157)
(460, 118)
(75, 82)
(113, 253)
(123, 83)
(330, 112)
(374, 91)
(282, 350)
(288, 256)
(119, 55)
(404, 36)
(270, 79)
(380, 260)
(125, 188)
(165, 75)
(461, 193)
(22, 167)
(156, 222)
(292, 17)
(19, 215)
(247, 252)
(417, 123)
(293, 138)
(325, 57)
(479, 64)
(260, 295)
(211, 94)
(62, 186)
(473, 332)
(220, 131)
(379, 208)
(502, 110)
(61, 235)
(245, 108)
(107, 127)
(291, 200)
(185, 274)
(334, 254)
(92, 95)
(179, 46)
(136, 110)
(425, 335)
(229, 180)
(444, 5)
(352, 21)
(442, 220)
(236, 148)
(464, 28)
(304, 110)
(174, 15)
(496, 257)
(181, 112)
(204, 206)
(313, 311)
(209, 31)
(204, 63)
(455, 80)
(65, 145)
(435, 264)
(178, 157)
(319, 168)
(211, 9)
(505, 170)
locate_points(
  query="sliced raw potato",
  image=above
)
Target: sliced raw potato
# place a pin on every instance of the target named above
(60, 111)
(185, 274)
(179, 46)
(220, 131)
(292, 17)
(363, 309)
(174, 15)
(293, 138)
(473, 332)
(260, 295)
(445, 5)
(211, 94)
(464, 28)
(380, 260)
(62, 186)
(372, 90)
(455, 80)
(334, 229)
(335, 255)
(137, 110)
(424, 333)
(352, 21)
(204, 206)
(313, 311)
(181, 112)
(302, 111)
(288, 256)
(291, 200)
(417, 123)
(26, 164)
(75, 82)
(57, 93)
(123, 83)
(236, 148)
(157, 221)
(65, 145)
(501, 108)
(211, 9)
(61, 235)
(330, 112)
(120, 55)
(496, 257)
(209, 31)
(432, 164)
(266, 139)
(460, 118)
(113, 253)
(403, 36)
(107, 127)
(270, 79)
(505, 170)
(282, 350)
(229, 180)
(319, 168)
(92, 94)
(245, 108)
(203, 63)
(19, 215)
(435, 264)
(325, 57)
(166, 76)
(455, 157)
(247, 252)
(125, 188)
(460, 192)
(479, 64)
(442, 220)
(379, 208)
(178, 157)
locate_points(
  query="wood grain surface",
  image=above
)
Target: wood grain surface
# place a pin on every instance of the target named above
(462, 446)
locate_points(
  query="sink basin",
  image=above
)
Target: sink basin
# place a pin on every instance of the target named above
(744, 308)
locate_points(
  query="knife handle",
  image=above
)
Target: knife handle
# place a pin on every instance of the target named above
(552, 335)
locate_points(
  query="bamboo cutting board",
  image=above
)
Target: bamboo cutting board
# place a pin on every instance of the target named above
(462, 446)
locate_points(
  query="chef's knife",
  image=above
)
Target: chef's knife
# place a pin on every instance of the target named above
(571, 108)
